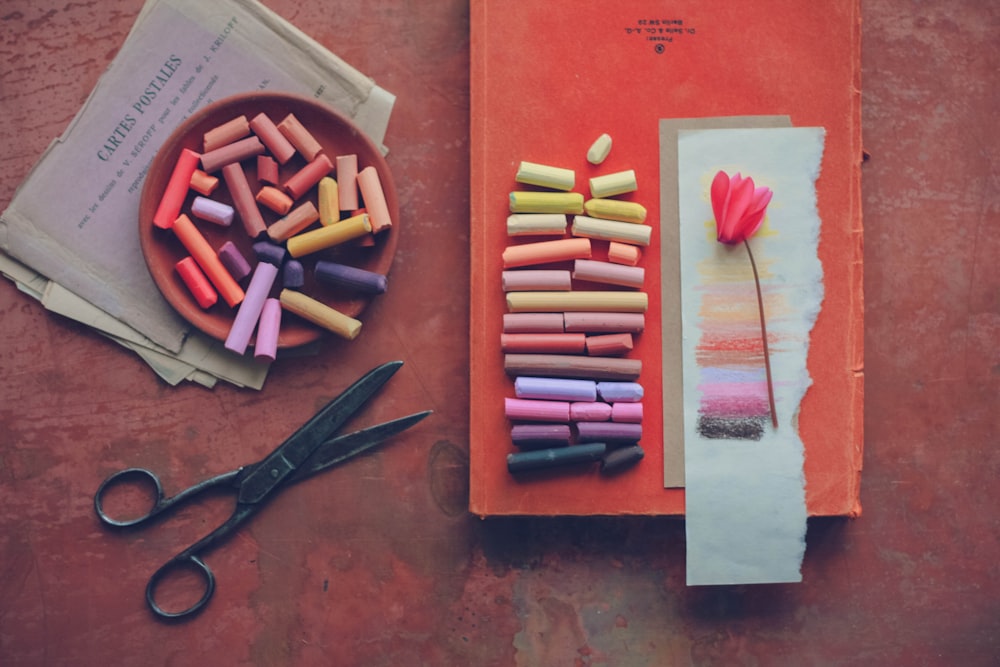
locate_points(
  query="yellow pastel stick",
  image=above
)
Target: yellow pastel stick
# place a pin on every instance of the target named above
(546, 202)
(545, 176)
(612, 301)
(615, 209)
(329, 236)
(329, 201)
(320, 314)
(611, 230)
(610, 185)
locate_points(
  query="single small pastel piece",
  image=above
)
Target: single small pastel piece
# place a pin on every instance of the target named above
(589, 411)
(555, 457)
(535, 436)
(599, 150)
(274, 199)
(300, 137)
(293, 274)
(329, 201)
(267, 169)
(609, 185)
(272, 253)
(555, 389)
(231, 153)
(213, 211)
(234, 261)
(532, 322)
(624, 253)
(626, 412)
(535, 280)
(536, 224)
(545, 176)
(544, 343)
(227, 133)
(347, 181)
(294, 222)
(299, 183)
(526, 409)
(204, 184)
(248, 314)
(597, 322)
(608, 273)
(620, 392)
(609, 345)
(199, 286)
(177, 188)
(615, 209)
(350, 277)
(608, 432)
(370, 186)
(621, 458)
(243, 200)
(271, 136)
(529, 201)
(320, 314)
(611, 230)
(268, 327)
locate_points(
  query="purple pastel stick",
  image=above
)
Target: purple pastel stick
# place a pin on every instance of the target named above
(626, 412)
(620, 392)
(234, 261)
(609, 432)
(213, 211)
(293, 275)
(342, 275)
(555, 389)
(533, 436)
(269, 252)
(590, 411)
(266, 343)
(249, 311)
(522, 409)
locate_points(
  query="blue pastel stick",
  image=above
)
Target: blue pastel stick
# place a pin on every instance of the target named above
(555, 389)
(621, 392)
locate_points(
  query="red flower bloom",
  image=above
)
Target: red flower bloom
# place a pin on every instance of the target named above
(738, 207)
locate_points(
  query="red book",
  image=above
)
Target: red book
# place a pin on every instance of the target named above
(547, 79)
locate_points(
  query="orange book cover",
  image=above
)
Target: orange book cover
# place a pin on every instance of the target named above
(546, 80)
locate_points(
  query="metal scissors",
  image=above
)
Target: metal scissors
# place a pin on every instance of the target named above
(311, 449)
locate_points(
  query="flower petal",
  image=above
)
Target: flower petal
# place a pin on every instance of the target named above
(755, 213)
(741, 195)
(719, 191)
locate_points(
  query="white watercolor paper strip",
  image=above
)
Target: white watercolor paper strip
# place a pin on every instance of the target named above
(745, 488)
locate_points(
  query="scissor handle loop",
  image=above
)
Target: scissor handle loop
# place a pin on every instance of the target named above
(130, 475)
(184, 560)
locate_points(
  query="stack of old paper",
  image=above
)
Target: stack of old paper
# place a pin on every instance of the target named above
(70, 235)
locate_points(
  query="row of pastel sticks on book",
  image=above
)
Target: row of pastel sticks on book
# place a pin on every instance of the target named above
(350, 207)
(560, 341)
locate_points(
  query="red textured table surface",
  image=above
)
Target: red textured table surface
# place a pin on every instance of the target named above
(378, 563)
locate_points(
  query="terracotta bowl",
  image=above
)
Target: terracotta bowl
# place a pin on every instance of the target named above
(338, 136)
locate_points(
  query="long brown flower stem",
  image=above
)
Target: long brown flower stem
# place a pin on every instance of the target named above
(763, 335)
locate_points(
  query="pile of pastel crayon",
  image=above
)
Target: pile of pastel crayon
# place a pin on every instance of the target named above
(568, 332)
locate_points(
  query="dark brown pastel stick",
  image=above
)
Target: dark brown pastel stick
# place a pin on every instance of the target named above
(572, 366)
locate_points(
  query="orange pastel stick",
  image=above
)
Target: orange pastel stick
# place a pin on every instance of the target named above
(272, 137)
(177, 189)
(196, 282)
(371, 191)
(544, 252)
(624, 253)
(227, 133)
(299, 136)
(267, 169)
(209, 262)
(275, 199)
(202, 183)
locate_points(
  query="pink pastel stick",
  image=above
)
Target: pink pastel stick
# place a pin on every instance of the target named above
(249, 311)
(552, 343)
(535, 280)
(280, 147)
(521, 409)
(177, 189)
(593, 411)
(608, 432)
(533, 322)
(626, 412)
(609, 345)
(306, 177)
(604, 322)
(230, 153)
(347, 181)
(370, 186)
(243, 200)
(266, 344)
(608, 273)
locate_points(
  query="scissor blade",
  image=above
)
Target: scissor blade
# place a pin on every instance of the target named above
(345, 447)
(287, 457)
